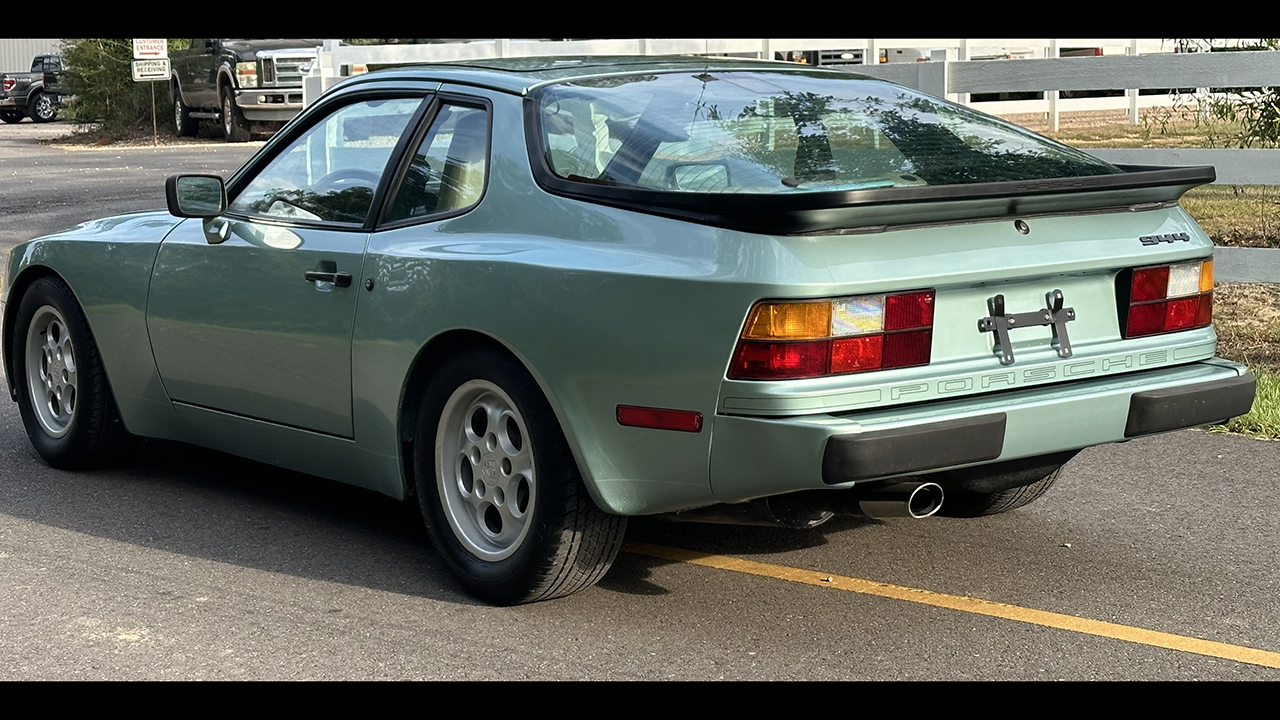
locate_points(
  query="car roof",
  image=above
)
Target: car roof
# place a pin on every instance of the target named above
(519, 75)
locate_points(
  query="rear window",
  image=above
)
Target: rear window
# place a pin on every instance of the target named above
(782, 132)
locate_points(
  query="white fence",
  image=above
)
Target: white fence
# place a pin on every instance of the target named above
(337, 61)
(954, 73)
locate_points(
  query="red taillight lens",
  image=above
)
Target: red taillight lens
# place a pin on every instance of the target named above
(1149, 284)
(1181, 313)
(788, 340)
(780, 360)
(907, 349)
(1146, 319)
(1169, 298)
(9, 83)
(856, 354)
(1204, 313)
(909, 311)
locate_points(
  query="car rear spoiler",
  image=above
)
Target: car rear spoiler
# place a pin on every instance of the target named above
(873, 210)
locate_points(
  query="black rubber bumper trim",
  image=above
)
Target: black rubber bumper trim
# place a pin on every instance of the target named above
(1186, 406)
(881, 453)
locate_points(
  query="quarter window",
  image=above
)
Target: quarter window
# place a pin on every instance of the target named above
(447, 171)
(330, 173)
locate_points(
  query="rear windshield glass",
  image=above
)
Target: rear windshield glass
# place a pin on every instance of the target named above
(777, 132)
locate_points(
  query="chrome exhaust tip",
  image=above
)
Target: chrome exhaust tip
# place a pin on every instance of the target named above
(905, 499)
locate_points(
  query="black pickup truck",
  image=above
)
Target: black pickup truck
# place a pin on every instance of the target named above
(245, 85)
(32, 94)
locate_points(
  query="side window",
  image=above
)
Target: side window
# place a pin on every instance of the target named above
(447, 171)
(330, 173)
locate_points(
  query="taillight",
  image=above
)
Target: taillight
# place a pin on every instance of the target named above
(838, 336)
(1168, 298)
(9, 83)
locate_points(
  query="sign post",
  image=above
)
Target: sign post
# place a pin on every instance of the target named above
(151, 63)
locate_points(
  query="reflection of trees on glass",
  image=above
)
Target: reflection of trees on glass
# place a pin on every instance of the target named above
(942, 157)
(813, 147)
(346, 205)
(751, 132)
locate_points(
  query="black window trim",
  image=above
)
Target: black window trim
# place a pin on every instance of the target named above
(321, 112)
(419, 134)
(810, 213)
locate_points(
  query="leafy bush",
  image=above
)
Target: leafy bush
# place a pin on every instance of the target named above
(97, 71)
(1256, 111)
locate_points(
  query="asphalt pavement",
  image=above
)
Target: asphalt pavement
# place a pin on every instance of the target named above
(184, 563)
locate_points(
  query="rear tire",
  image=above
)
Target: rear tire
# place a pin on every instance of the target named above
(11, 116)
(499, 490)
(64, 396)
(42, 108)
(971, 505)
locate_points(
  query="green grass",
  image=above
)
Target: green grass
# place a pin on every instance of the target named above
(1237, 215)
(1263, 421)
(1247, 319)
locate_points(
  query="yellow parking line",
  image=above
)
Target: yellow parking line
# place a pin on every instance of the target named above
(964, 604)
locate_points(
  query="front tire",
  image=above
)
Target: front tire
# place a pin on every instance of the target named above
(42, 109)
(234, 127)
(499, 490)
(63, 394)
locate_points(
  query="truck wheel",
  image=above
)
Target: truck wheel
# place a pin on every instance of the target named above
(971, 505)
(499, 490)
(183, 125)
(234, 127)
(42, 109)
(64, 397)
(11, 116)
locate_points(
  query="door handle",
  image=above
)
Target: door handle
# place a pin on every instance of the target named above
(339, 279)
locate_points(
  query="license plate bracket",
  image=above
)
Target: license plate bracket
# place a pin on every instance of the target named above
(1053, 314)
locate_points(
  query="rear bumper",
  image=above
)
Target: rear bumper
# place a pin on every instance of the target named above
(755, 457)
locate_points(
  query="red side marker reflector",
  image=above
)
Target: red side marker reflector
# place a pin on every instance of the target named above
(681, 420)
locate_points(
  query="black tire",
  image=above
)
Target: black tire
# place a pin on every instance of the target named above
(11, 116)
(569, 543)
(183, 124)
(234, 127)
(94, 435)
(970, 505)
(41, 108)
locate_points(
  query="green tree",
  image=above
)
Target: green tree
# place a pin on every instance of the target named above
(98, 72)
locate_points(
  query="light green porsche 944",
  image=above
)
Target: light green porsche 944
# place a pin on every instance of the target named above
(542, 295)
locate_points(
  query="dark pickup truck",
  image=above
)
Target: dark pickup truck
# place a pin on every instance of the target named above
(245, 85)
(32, 94)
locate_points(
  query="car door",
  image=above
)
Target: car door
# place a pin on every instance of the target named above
(252, 312)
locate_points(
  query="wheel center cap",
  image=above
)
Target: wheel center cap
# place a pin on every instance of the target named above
(489, 467)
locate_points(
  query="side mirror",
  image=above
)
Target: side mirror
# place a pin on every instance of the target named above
(195, 196)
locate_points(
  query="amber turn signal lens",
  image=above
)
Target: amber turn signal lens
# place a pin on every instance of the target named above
(789, 321)
(1206, 276)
